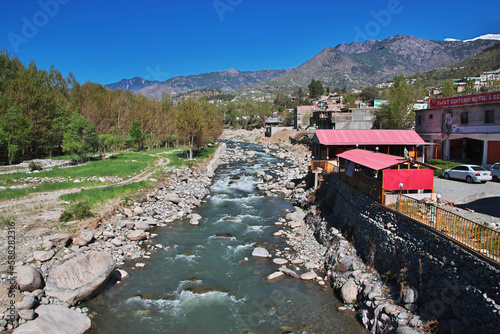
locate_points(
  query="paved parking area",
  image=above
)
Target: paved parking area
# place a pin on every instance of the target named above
(482, 198)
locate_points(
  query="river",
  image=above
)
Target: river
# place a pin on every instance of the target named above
(199, 283)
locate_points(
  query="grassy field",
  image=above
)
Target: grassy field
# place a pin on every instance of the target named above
(122, 165)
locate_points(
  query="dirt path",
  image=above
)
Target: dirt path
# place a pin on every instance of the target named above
(37, 214)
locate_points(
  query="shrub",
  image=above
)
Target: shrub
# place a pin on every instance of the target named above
(65, 216)
(33, 165)
(82, 211)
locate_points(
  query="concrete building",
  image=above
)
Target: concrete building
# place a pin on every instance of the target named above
(462, 128)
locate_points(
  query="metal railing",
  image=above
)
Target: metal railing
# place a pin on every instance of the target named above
(477, 237)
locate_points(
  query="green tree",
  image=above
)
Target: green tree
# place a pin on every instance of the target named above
(281, 101)
(349, 101)
(135, 132)
(264, 111)
(80, 137)
(369, 94)
(315, 89)
(470, 88)
(16, 133)
(398, 113)
(448, 89)
(190, 123)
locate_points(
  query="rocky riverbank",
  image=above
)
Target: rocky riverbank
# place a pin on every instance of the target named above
(70, 269)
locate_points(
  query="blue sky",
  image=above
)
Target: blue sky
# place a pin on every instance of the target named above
(108, 40)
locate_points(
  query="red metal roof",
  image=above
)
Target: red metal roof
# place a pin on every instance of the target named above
(368, 137)
(373, 160)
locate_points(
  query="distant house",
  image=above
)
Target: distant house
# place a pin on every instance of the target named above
(300, 113)
(355, 118)
(327, 144)
(463, 128)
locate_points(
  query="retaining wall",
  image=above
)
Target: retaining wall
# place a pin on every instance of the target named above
(458, 288)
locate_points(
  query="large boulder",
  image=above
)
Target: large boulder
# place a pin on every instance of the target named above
(28, 278)
(80, 278)
(56, 319)
(349, 292)
(84, 238)
(142, 225)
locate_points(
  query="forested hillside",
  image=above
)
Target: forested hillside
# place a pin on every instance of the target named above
(43, 114)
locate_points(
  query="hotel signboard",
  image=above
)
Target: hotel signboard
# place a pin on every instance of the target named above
(465, 100)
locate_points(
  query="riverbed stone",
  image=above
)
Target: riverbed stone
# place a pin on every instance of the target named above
(116, 242)
(27, 314)
(138, 211)
(142, 225)
(28, 302)
(275, 275)
(43, 256)
(280, 261)
(128, 213)
(80, 278)
(308, 276)
(63, 239)
(349, 292)
(56, 319)
(136, 235)
(28, 278)
(173, 198)
(289, 272)
(260, 252)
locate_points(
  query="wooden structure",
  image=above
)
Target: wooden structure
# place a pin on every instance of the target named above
(378, 174)
(327, 144)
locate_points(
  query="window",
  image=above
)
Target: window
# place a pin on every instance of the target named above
(464, 117)
(431, 116)
(489, 116)
(419, 119)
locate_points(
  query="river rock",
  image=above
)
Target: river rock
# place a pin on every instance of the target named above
(84, 238)
(63, 239)
(289, 272)
(28, 302)
(173, 198)
(349, 292)
(80, 278)
(28, 278)
(268, 178)
(280, 261)
(260, 252)
(297, 215)
(410, 295)
(193, 221)
(275, 275)
(56, 319)
(261, 173)
(136, 235)
(43, 256)
(308, 276)
(128, 212)
(116, 242)
(141, 225)
(120, 274)
(138, 211)
(27, 314)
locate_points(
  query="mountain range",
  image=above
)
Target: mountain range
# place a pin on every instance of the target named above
(354, 65)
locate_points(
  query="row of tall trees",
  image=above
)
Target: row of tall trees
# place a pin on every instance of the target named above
(43, 113)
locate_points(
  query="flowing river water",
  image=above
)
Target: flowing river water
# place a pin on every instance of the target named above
(198, 282)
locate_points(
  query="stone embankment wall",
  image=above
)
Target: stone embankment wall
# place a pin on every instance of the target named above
(447, 282)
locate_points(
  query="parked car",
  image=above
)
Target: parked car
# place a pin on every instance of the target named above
(469, 173)
(495, 171)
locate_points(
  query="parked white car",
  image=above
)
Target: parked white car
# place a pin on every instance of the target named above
(469, 173)
(495, 171)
